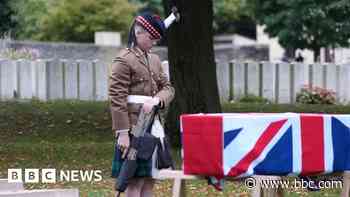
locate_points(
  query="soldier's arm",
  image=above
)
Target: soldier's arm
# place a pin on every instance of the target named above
(167, 91)
(118, 93)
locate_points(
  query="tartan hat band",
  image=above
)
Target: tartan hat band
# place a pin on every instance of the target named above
(155, 34)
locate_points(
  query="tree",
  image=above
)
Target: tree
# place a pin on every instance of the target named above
(73, 20)
(230, 16)
(234, 16)
(191, 59)
(154, 6)
(310, 24)
(28, 14)
(6, 20)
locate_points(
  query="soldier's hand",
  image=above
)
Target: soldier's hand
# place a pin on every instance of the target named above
(148, 105)
(123, 143)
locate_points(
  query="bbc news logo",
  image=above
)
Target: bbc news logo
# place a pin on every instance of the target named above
(50, 175)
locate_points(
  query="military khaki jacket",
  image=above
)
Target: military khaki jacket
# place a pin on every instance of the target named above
(134, 72)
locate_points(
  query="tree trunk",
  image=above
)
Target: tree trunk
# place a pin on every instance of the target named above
(191, 63)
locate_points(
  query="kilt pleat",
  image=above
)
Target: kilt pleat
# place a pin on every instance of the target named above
(144, 168)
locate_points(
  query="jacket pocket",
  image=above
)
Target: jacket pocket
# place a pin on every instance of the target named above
(138, 85)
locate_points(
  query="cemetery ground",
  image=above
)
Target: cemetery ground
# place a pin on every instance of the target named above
(76, 135)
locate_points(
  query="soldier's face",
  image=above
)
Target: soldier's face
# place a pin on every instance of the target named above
(145, 40)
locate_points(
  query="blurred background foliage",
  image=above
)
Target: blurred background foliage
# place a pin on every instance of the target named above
(66, 20)
(77, 20)
(235, 16)
(6, 16)
(311, 24)
(300, 24)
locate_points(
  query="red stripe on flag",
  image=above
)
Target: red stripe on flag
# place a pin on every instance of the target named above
(202, 144)
(312, 144)
(263, 141)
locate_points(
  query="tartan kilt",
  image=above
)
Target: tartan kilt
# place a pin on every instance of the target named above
(144, 168)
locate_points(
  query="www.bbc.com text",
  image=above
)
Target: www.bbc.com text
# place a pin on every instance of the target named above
(251, 183)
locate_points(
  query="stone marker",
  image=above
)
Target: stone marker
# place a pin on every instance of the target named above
(331, 77)
(71, 79)
(85, 80)
(253, 78)
(41, 80)
(222, 75)
(317, 75)
(101, 81)
(8, 79)
(268, 80)
(344, 75)
(238, 80)
(301, 77)
(284, 79)
(25, 79)
(54, 70)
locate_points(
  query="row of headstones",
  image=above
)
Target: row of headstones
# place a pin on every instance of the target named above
(53, 79)
(280, 82)
(88, 80)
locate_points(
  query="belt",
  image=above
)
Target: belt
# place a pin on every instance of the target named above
(138, 98)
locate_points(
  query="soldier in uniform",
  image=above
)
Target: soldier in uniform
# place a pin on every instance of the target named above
(137, 82)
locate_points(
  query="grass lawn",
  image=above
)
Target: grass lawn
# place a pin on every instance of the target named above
(77, 136)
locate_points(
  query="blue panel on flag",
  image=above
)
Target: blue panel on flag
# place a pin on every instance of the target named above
(341, 145)
(279, 159)
(229, 136)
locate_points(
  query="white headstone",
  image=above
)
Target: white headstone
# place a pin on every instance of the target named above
(41, 79)
(101, 81)
(71, 79)
(253, 78)
(25, 79)
(284, 91)
(317, 75)
(55, 79)
(1, 62)
(34, 79)
(344, 94)
(222, 75)
(8, 79)
(331, 77)
(301, 76)
(268, 80)
(238, 80)
(86, 80)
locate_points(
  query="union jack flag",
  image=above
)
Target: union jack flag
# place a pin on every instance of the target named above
(239, 145)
